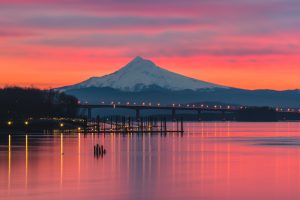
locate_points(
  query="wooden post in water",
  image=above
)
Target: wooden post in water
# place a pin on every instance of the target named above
(85, 125)
(129, 124)
(147, 124)
(116, 123)
(123, 123)
(223, 116)
(142, 124)
(103, 126)
(137, 115)
(89, 113)
(102, 149)
(161, 126)
(165, 126)
(173, 114)
(150, 124)
(111, 123)
(181, 122)
(199, 115)
(98, 124)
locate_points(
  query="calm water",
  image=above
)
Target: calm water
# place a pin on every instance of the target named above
(211, 161)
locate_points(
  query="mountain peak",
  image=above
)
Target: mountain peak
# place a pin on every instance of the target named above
(139, 63)
(141, 73)
(138, 58)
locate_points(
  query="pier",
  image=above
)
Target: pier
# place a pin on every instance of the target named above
(126, 125)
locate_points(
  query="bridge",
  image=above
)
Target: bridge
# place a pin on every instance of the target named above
(173, 108)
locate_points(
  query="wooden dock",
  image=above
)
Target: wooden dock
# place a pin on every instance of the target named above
(126, 125)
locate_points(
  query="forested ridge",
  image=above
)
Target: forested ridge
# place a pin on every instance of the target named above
(21, 103)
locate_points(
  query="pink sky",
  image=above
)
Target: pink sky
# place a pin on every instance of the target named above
(239, 43)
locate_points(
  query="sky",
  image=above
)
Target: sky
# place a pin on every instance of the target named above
(250, 44)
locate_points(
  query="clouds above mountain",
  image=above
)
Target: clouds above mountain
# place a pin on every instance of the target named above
(213, 35)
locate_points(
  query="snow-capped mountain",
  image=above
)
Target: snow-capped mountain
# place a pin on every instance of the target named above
(142, 81)
(140, 74)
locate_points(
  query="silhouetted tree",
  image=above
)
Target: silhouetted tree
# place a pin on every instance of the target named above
(20, 103)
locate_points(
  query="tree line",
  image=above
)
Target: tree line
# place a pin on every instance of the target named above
(22, 103)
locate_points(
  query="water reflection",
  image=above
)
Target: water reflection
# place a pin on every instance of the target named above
(9, 159)
(211, 161)
(61, 157)
(26, 159)
(79, 156)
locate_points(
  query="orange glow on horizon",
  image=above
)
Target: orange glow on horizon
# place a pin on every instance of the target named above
(50, 74)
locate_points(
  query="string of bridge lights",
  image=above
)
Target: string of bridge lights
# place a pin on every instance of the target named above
(113, 103)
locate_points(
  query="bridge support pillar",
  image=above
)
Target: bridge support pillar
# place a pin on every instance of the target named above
(223, 116)
(199, 115)
(137, 115)
(89, 113)
(173, 114)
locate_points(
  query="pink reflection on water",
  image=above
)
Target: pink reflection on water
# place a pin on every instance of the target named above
(211, 161)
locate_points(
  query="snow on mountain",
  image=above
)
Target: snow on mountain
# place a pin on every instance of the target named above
(141, 73)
